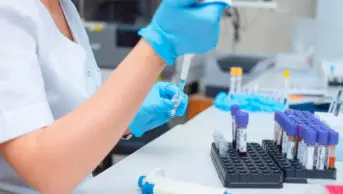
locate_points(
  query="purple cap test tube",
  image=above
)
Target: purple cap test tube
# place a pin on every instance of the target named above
(322, 137)
(288, 112)
(242, 119)
(333, 137)
(310, 136)
(234, 109)
(291, 128)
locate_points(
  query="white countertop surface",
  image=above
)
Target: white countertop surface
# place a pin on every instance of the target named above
(184, 153)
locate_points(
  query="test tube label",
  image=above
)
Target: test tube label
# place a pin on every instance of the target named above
(327, 157)
(309, 157)
(242, 145)
(238, 139)
(321, 155)
(233, 129)
(284, 143)
(301, 147)
(279, 138)
(290, 150)
(276, 133)
(315, 155)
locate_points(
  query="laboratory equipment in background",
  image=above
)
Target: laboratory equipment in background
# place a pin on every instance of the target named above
(336, 105)
(112, 28)
(286, 76)
(332, 72)
(158, 183)
(217, 69)
(236, 76)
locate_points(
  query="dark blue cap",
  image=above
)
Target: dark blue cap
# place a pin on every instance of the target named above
(333, 137)
(307, 114)
(292, 128)
(303, 130)
(288, 112)
(242, 119)
(234, 109)
(322, 137)
(280, 118)
(310, 136)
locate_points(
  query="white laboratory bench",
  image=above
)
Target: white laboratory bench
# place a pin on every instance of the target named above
(184, 153)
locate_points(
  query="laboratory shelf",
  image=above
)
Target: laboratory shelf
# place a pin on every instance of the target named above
(292, 170)
(256, 170)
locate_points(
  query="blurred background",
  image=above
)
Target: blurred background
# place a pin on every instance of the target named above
(263, 37)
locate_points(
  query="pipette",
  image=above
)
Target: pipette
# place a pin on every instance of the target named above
(187, 60)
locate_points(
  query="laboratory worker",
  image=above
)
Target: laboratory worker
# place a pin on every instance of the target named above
(56, 122)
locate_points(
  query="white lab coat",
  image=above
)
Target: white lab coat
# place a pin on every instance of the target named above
(43, 75)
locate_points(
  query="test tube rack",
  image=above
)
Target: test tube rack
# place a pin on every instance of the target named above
(292, 170)
(256, 170)
(263, 167)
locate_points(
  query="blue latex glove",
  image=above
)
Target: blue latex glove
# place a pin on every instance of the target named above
(155, 110)
(180, 27)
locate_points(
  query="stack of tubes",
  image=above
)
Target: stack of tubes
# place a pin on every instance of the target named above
(299, 135)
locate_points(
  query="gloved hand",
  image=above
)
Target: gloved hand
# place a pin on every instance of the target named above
(180, 27)
(156, 108)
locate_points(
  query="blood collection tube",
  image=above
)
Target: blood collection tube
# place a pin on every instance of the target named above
(234, 110)
(310, 144)
(233, 77)
(239, 80)
(301, 145)
(280, 120)
(285, 127)
(242, 121)
(292, 133)
(333, 141)
(322, 143)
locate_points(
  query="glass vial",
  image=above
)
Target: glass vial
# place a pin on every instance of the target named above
(333, 142)
(242, 120)
(322, 143)
(310, 144)
(292, 132)
(234, 110)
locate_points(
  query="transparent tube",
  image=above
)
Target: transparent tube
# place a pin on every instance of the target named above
(331, 157)
(309, 157)
(284, 142)
(321, 155)
(234, 131)
(242, 141)
(300, 152)
(232, 88)
(276, 131)
(223, 149)
(238, 86)
(291, 145)
(279, 138)
(183, 77)
(218, 138)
